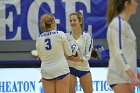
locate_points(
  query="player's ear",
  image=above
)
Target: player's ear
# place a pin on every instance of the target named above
(126, 3)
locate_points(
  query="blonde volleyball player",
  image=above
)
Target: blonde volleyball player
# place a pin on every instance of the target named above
(52, 46)
(122, 74)
(81, 44)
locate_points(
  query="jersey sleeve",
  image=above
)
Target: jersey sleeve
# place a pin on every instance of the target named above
(66, 45)
(116, 37)
(37, 46)
(88, 48)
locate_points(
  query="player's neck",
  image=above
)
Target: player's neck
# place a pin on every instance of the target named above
(76, 34)
(125, 16)
(77, 31)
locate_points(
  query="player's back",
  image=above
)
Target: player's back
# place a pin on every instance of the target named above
(50, 46)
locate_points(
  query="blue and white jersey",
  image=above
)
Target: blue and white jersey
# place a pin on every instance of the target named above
(122, 46)
(52, 47)
(83, 45)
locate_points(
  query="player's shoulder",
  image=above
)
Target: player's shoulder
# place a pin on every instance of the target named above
(60, 32)
(116, 21)
(86, 33)
(68, 34)
(42, 34)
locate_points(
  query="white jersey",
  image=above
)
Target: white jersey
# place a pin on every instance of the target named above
(51, 47)
(83, 45)
(122, 46)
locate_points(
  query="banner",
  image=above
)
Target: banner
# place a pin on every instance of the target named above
(28, 80)
(20, 19)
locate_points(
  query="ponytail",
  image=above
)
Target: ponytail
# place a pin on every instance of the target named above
(46, 21)
(115, 7)
(42, 26)
(112, 10)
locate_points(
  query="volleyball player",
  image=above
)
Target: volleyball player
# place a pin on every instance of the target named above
(81, 43)
(122, 73)
(52, 46)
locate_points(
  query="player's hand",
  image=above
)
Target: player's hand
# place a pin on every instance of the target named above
(136, 82)
(75, 59)
(34, 53)
(70, 58)
(138, 74)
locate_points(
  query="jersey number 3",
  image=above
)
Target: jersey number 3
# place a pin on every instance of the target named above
(48, 44)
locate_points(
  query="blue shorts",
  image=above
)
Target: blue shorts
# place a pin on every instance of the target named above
(58, 78)
(77, 73)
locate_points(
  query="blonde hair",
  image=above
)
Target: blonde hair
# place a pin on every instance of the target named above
(80, 17)
(46, 21)
(115, 7)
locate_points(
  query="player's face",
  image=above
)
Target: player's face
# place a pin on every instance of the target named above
(74, 22)
(132, 7)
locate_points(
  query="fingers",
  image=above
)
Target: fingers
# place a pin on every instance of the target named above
(70, 58)
(136, 82)
(74, 59)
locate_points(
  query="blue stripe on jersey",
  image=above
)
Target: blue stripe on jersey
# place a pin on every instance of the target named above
(120, 32)
(120, 40)
(90, 43)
